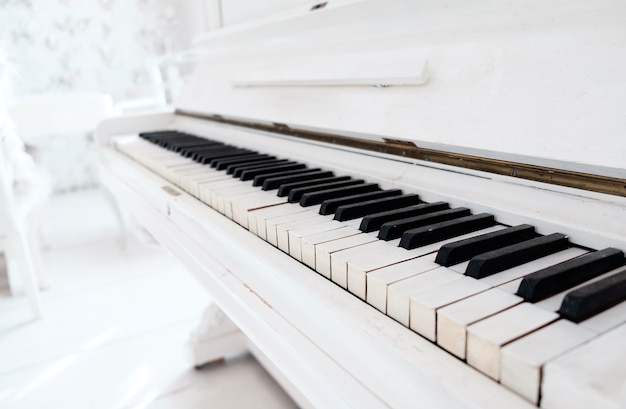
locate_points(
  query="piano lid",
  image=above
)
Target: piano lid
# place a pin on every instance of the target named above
(527, 81)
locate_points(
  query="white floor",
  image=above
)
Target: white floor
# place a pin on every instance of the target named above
(115, 327)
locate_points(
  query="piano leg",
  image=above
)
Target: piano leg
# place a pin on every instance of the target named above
(215, 338)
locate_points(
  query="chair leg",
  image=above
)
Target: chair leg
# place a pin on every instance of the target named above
(34, 234)
(20, 248)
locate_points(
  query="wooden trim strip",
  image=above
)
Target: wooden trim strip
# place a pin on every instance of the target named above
(579, 180)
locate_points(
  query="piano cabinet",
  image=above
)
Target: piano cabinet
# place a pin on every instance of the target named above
(498, 117)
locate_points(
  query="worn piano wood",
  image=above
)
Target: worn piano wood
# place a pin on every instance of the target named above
(470, 74)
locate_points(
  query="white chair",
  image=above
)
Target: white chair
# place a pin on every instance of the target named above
(18, 212)
(59, 113)
(39, 116)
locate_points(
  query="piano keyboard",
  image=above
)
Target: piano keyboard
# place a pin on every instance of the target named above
(520, 307)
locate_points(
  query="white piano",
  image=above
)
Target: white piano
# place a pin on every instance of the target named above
(484, 144)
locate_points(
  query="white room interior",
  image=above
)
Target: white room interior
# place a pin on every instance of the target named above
(134, 277)
(117, 312)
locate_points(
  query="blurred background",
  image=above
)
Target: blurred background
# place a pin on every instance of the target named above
(115, 312)
(120, 56)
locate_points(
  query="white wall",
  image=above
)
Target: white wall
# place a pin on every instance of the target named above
(239, 11)
(95, 45)
(104, 46)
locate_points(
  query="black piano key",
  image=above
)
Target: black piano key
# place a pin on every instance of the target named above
(237, 170)
(206, 158)
(594, 298)
(162, 134)
(374, 222)
(560, 277)
(176, 140)
(193, 152)
(251, 173)
(317, 197)
(188, 151)
(184, 146)
(259, 180)
(356, 210)
(395, 228)
(494, 261)
(222, 164)
(158, 137)
(434, 233)
(243, 155)
(198, 154)
(311, 185)
(177, 145)
(169, 143)
(463, 250)
(311, 174)
(330, 206)
(150, 135)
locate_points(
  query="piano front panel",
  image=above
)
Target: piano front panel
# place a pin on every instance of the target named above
(485, 338)
(533, 80)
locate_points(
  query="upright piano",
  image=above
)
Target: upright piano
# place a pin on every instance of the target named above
(401, 203)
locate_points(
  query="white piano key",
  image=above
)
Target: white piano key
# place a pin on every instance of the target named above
(258, 217)
(214, 177)
(399, 293)
(356, 223)
(379, 280)
(486, 338)
(308, 243)
(460, 267)
(184, 173)
(271, 224)
(242, 205)
(204, 186)
(168, 167)
(295, 236)
(282, 230)
(180, 170)
(424, 305)
(189, 180)
(453, 319)
(340, 259)
(591, 376)
(225, 197)
(216, 190)
(323, 251)
(522, 360)
(510, 287)
(359, 268)
(196, 184)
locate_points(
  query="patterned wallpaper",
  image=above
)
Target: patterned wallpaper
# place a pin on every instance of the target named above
(95, 45)
(58, 46)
